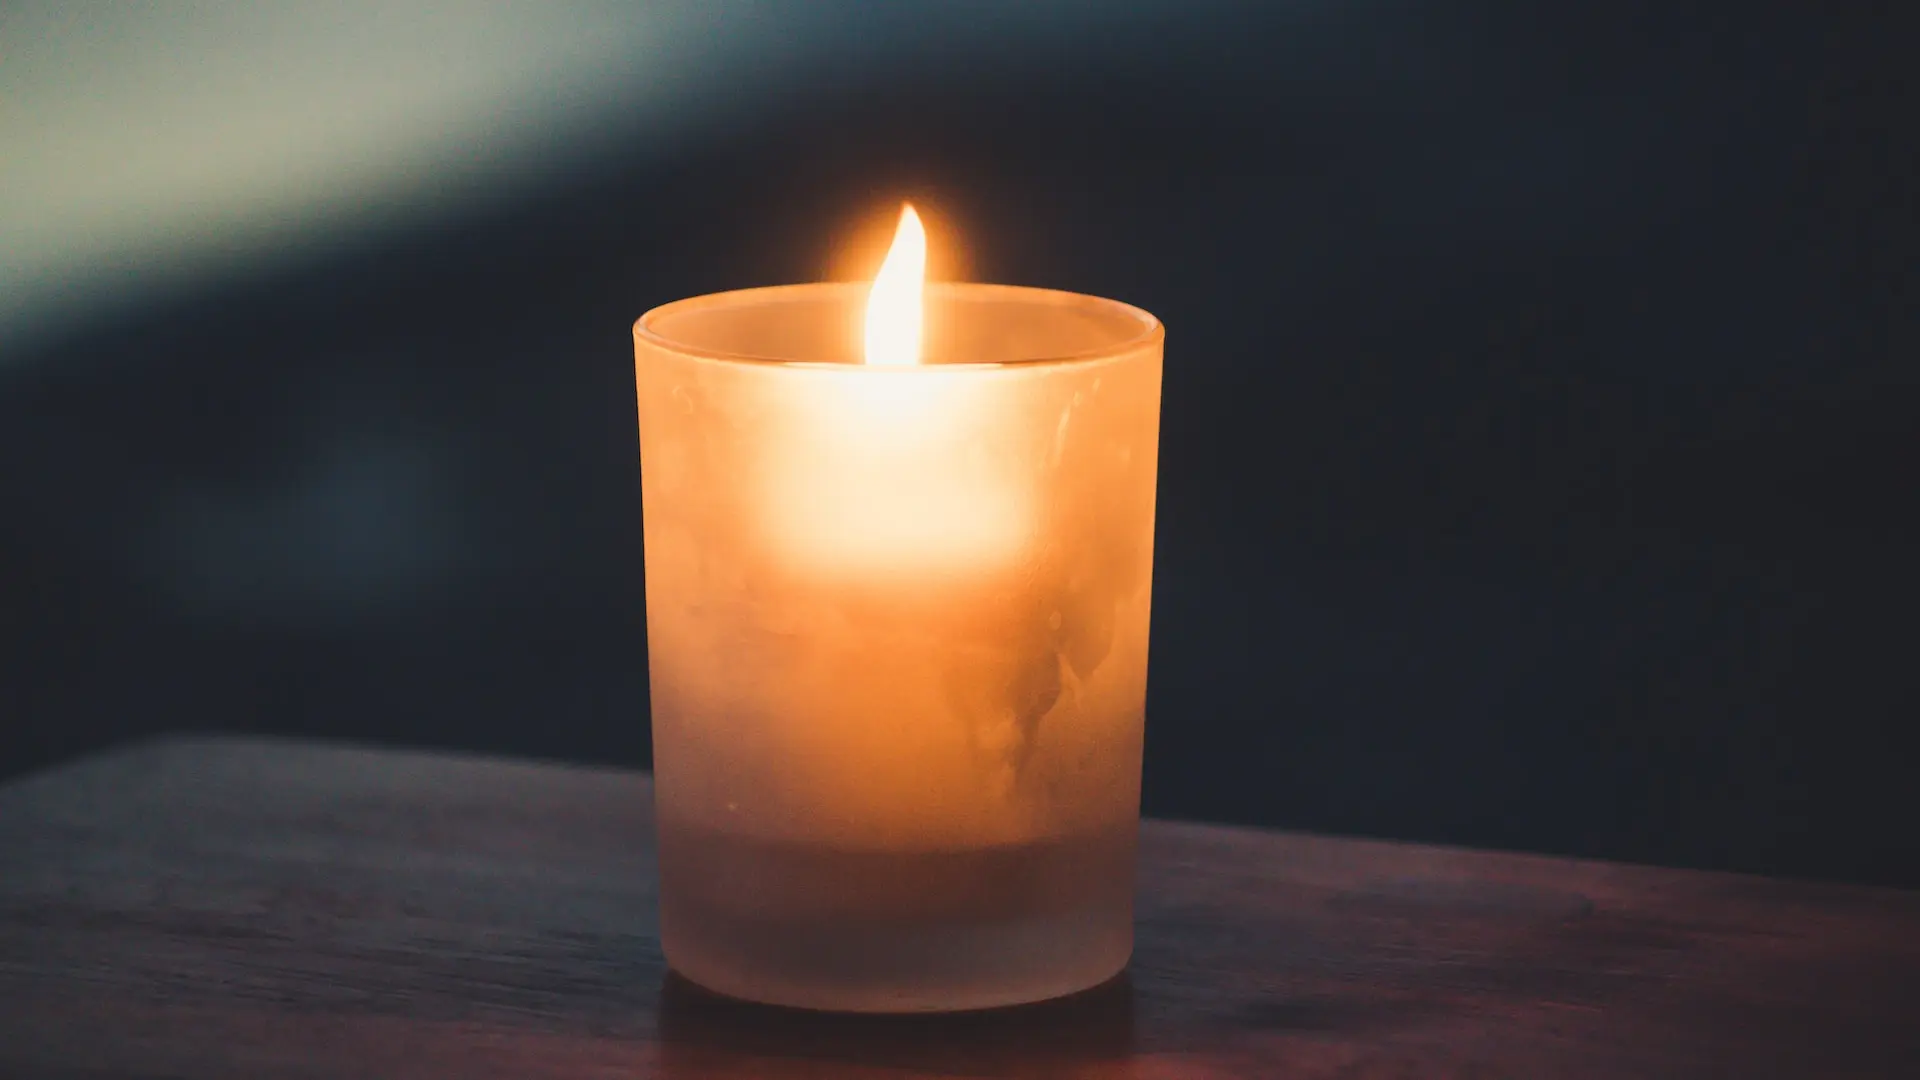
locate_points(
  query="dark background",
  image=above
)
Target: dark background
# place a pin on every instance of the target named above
(1538, 447)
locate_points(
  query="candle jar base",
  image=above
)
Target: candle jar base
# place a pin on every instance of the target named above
(818, 927)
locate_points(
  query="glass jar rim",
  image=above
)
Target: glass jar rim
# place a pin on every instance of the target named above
(1150, 329)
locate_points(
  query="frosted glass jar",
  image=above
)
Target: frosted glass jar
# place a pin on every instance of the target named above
(897, 631)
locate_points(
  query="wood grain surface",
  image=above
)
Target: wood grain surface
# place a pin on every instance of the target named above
(202, 908)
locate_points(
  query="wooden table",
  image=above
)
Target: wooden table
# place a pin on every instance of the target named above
(230, 908)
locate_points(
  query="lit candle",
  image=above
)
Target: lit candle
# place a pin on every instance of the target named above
(899, 546)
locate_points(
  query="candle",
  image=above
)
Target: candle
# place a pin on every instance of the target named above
(899, 545)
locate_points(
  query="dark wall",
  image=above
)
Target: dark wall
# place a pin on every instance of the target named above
(1537, 441)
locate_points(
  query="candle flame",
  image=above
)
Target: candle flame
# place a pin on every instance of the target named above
(893, 306)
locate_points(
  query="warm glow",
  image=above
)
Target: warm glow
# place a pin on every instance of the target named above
(893, 307)
(887, 478)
